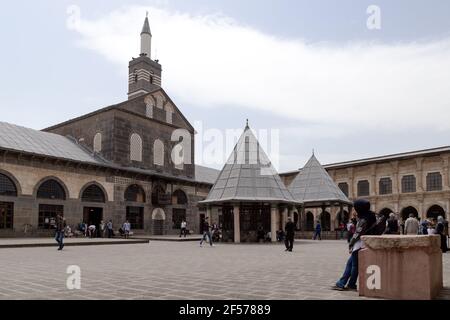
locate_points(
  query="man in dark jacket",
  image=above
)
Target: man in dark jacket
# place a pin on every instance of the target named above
(290, 234)
(364, 226)
(60, 230)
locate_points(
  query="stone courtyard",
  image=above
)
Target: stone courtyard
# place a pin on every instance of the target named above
(181, 270)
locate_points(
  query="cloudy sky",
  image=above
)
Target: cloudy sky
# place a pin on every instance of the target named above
(311, 69)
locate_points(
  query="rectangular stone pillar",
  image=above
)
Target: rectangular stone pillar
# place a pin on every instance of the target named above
(284, 217)
(208, 214)
(273, 223)
(237, 225)
(401, 267)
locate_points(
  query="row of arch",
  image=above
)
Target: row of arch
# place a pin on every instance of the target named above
(343, 216)
(52, 188)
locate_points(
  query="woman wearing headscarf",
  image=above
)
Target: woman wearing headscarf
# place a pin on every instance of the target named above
(440, 230)
(366, 222)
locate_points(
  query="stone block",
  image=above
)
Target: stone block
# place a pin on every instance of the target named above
(401, 267)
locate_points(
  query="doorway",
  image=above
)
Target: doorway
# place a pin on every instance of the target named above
(93, 216)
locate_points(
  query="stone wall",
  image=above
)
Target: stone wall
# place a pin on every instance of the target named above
(28, 175)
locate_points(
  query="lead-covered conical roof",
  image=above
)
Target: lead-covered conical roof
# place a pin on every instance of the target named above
(314, 185)
(249, 176)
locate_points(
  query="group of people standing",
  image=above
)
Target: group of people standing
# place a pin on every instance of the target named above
(413, 226)
(104, 230)
(367, 222)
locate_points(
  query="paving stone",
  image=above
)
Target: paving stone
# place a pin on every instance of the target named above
(181, 270)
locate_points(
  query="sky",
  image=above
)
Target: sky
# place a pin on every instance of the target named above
(313, 74)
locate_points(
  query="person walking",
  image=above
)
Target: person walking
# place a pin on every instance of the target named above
(318, 231)
(366, 221)
(102, 229)
(440, 230)
(109, 228)
(206, 233)
(60, 230)
(183, 228)
(411, 226)
(290, 235)
(126, 229)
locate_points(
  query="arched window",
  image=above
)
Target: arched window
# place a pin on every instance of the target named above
(7, 187)
(325, 221)
(135, 193)
(98, 142)
(179, 197)
(51, 189)
(158, 153)
(93, 193)
(344, 188)
(385, 186)
(434, 181)
(136, 148)
(409, 184)
(363, 188)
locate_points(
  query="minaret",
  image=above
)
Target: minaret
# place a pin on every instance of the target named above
(146, 39)
(144, 73)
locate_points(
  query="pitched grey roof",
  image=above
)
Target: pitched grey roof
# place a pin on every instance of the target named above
(21, 139)
(13, 137)
(146, 27)
(205, 174)
(248, 176)
(314, 185)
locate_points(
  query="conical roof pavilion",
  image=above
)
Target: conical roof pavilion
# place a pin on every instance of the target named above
(248, 176)
(313, 186)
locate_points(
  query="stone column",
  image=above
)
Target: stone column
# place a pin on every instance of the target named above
(333, 218)
(419, 174)
(395, 181)
(237, 227)
(208, 213)
(284, 217)
(395, 184)
(351, 189)
(445, 165)
(273, 223)
(422, 214)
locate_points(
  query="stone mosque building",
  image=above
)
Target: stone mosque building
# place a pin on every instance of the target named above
(128, 162)
(113, 164)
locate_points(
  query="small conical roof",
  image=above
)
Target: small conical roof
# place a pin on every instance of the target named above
(313, 185)
(248, 176)
(146, 27)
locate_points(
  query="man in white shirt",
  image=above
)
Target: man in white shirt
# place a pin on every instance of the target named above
(411, 225)
(183, 228)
